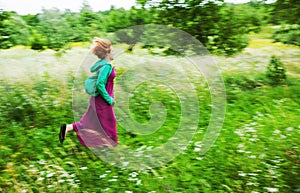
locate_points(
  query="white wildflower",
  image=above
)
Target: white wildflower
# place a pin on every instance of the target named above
(72, 175)
(42, 172)
(289, 128)
(251, 130)
(252, 174)
(183, 148)
(64, 175)
(133, 174)
(42, 162)
(262, 155)
(61, 181)
(112, 180)
(83, 168)
(125, 164)
(272, 171)
(103, 176)
(259, 114)
(132, 179)
(277, 131)
(271, 189)
(198, 144)
(282, 136)
(50, 175)
(240, 146)
(150, 147)
(39, 179)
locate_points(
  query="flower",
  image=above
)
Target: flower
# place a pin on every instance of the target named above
(125, 164)
(83, 168)
(50, 175)
(242, 174)
(277, 131)
(271, 189)
(61, 181)
(133, 174)
(103, 176)
(252, 174)
(64, 175)
(72, 175)
(42, 162)
(132, 179)
(198, 144)
(112, 180)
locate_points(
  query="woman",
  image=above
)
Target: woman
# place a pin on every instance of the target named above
(97, 126)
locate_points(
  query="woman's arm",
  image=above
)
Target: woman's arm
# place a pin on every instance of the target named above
(101, 83)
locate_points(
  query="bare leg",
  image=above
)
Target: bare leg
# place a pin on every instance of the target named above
(69, 128)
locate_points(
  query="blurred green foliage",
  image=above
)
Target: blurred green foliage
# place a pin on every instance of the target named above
(258, 147)
(288, 34)
(221, 27)
(276, 71)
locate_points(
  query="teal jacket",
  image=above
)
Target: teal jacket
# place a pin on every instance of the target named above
(95, 84)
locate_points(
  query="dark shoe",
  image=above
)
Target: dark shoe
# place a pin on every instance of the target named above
(62, 133)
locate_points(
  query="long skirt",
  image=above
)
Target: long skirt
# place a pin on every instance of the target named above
(97, 127)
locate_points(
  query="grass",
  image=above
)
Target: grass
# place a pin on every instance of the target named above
(256, 151)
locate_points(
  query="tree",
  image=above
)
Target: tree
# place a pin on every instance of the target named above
(54, 28)
(286, 12)
(219, 26)
(13, 30)
(276, 71)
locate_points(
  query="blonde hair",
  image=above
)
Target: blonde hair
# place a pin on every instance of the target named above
(101, 47)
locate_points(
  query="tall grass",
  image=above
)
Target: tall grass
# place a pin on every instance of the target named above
(257, 150)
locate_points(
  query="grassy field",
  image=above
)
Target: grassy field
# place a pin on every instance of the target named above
(256, 151)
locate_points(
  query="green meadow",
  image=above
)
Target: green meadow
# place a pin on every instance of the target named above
(257, 149)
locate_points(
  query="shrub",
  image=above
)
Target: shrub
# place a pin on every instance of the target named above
(289, 34)
(276, 71)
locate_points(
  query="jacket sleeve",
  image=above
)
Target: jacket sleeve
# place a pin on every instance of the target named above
(101, 83)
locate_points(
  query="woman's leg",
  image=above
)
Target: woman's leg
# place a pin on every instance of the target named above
(69, 128)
